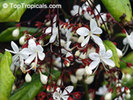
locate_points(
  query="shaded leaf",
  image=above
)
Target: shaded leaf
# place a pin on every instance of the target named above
(8, 13)
(6, 76)
(119, 9)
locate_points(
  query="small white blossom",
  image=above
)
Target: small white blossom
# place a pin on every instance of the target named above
(103, 56)
(102, 90)
(34, 51)
(94, 30)
(59, 95)
(53, 30)
(43, 78)
(129, 40)
(76, 9)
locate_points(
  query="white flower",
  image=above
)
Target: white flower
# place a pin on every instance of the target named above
(89, 15)
(53, 30)
(34, 51)
(94, 30)
(129, 40)
(58, 95)
(15, 32)
(19, 55)
(108, 96)
(102, 90)
(76, 9)
(103, 56)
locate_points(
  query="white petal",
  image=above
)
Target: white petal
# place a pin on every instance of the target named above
(87, 16)
(26, 51)
(125, 41)
(39, 48)
(68, 90)
(73, 12)
(108, 54)
(85, 41)
(97, 30)
(93, 56)
(102, 49)
(131, 44)
(48, 30)
(93, 24)
(83, 31)
(65, 97)
(54, 19)
(30, 59)
(67, 44)
(56, 96)
(97, 9)
(68, 54)
(97, 39)
(109, 62)
(10, 51)
(52, 38)
(41, 56)
(94, 64)
(31, 44)
(14, 47)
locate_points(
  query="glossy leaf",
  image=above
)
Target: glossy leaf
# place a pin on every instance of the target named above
(8, 13)
(6, 76)
(6, 35)
(119, 9)
(112, 47)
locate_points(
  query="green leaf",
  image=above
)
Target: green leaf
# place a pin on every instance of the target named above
(8, 13)
(6, 35)
(119, 8)
(109, 45)
(29, 90)
(128, 58)
(6, 76)
(120, 35)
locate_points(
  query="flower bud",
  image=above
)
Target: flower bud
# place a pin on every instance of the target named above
(59, 82)
(62, 42)
(15, 32)
(43, 78)
(22, 40)
(73, 79)
(128, 76)
(128, 96)
(77, 53)
(88, 70)
(80, 72)
(119, 52)
(89, 79)
(66, 63)
(79, 77)
(81, 38)
(108, 96)
(28, 78)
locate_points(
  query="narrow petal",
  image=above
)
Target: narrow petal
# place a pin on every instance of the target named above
(10, 51)
(94, 64)
(65, 97)
(56, 96)
(125, 41)
(108, 54)
(83, 31)
(97, 9)
(68, 90)
(109, 62)
(14, 46)
(41, 56)
(93, 24)
(97, 40)
(39, 48)
(94, 56)
(87, 16)
(85, 41)
(102, 50)
(30, 59)
(97, 30)
(48, 30)
(31, 44)
(52, 38)
(26, 51)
